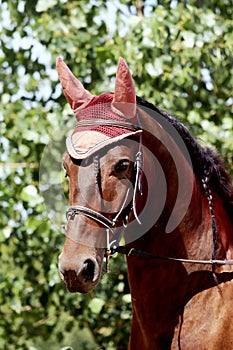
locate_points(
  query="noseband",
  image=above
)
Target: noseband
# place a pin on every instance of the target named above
(96, 216)
(91, 214)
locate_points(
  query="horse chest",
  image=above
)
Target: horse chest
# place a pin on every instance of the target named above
(206, 321)
(197, 317)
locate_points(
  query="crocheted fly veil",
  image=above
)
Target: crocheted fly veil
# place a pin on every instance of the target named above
(101, 120)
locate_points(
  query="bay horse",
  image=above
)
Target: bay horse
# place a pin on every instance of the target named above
(133, 169)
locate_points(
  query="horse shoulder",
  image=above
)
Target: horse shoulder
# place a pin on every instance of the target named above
(206, 321)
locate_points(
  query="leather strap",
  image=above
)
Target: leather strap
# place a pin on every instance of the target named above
(92, 214)
(119, 124)
(141, 254)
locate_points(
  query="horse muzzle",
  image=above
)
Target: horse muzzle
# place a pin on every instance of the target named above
(80, 274)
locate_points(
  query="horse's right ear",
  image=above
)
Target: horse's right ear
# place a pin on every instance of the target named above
(74, 91)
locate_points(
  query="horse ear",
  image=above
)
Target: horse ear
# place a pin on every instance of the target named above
(73, 90)
(125, 96)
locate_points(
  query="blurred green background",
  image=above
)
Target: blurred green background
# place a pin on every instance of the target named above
(180, 54)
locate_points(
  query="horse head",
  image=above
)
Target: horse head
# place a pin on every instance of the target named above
(101, 165)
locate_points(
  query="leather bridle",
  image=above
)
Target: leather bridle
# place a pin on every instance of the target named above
(98, 217)
(91, 214)
(110, 225)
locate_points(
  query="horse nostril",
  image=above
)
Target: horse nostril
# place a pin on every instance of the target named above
(88, 271)
(63, 274)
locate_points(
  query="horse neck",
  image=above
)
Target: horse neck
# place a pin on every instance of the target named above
(188, 214)
(192, 235)
(159, 288)
(184, 228)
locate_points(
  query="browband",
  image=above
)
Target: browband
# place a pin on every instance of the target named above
(119, 124)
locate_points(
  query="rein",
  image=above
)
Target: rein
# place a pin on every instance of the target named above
(140, 253)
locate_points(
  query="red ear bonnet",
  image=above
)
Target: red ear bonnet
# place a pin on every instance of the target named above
(98, 111)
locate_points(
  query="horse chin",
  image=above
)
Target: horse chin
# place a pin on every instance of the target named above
(79, 288)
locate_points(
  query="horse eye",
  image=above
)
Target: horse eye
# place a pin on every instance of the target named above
(122, 165)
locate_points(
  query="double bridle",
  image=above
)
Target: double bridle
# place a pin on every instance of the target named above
(124, 210)
(111, 225)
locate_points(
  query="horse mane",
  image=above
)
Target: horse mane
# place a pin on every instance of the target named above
(207, 163)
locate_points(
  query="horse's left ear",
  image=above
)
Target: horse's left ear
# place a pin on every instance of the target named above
(124, 96)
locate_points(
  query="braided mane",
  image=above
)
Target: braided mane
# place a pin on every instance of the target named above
(206, 162)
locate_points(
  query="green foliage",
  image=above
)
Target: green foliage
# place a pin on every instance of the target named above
(180, 56)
